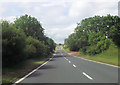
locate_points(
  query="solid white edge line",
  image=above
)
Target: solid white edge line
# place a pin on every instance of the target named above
(87, 76)
(74, 65)
(21, 79)
(96, 62)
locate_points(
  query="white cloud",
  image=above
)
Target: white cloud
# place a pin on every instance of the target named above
(78, 9)
(58, 17)
(59, 34)
(11, 18)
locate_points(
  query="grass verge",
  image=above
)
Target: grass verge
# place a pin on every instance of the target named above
(9, 75)
(109, 56)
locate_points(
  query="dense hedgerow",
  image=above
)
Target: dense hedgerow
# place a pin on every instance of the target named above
(24, 39)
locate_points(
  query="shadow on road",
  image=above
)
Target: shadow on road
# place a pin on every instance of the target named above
(37, 73)
(53, 59)
(58, 56)
(47, 67)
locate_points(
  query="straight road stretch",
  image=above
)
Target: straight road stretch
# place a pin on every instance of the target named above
(64, 68)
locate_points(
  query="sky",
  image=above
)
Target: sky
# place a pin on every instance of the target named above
(59, 18)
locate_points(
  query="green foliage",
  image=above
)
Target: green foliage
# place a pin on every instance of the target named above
(71, 42)
(49, 42)
(24, 39)
(95, 34)
(13, 44)
(31, 26)
(98, 43)
(35, 48)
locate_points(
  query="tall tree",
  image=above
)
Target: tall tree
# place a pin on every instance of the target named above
(31, 26)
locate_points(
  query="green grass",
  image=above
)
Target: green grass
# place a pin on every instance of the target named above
(10, 75)
(66, 49)
(39, 62)
(109, 56)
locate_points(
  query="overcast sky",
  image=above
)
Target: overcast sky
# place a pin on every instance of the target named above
(58, 17)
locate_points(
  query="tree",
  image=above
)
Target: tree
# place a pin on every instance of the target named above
(98, 43)
(95, 34)
(50, 43)
(31, 26)
(13, 44)
(72, 43)
(24, 39)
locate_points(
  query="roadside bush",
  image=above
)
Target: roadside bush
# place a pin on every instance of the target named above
(35, 48)
(23, 39)
(98, 43)
(13, 44)
(50, 45)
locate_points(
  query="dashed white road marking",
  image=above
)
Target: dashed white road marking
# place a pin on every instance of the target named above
(74, 65)
(87, 76)
(66, 58)
(83, 72)
(31, 72)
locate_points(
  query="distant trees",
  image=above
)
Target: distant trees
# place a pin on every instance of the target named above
(24, 39)
(50, 43)
(94, 35)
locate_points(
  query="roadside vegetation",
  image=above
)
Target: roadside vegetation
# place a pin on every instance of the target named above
(109, 56)
(10, 75)
(96, 38)
(23, 40)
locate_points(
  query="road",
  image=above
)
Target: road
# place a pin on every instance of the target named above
(64, 68)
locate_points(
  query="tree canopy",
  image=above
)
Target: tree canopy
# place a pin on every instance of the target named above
(24, 39)
(31, 26)
(94, 34)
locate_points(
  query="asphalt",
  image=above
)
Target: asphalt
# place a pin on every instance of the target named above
(64, 68)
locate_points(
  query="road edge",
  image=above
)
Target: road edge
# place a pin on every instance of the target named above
(92, 60)
(24, 77)
(96, 61)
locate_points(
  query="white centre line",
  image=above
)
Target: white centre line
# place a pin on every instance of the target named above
(74, 65)
(87, 76)
(69, 61)
(65, 57)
